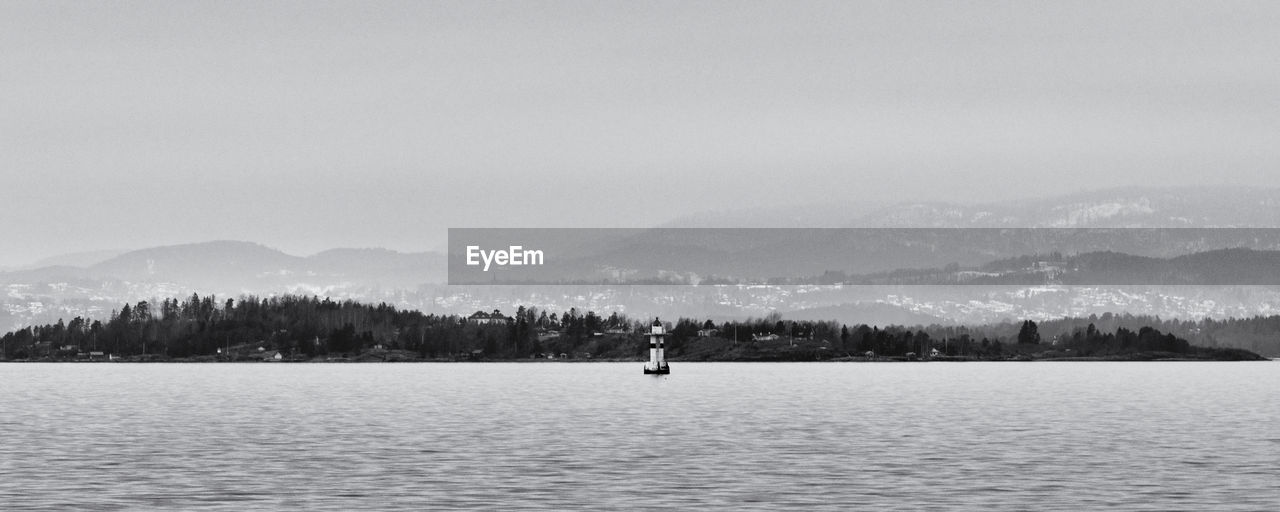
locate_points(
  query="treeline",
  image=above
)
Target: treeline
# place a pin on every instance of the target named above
(753, 339)
(309, 327)
(1259, 334)
(775, 338)
(298, 327)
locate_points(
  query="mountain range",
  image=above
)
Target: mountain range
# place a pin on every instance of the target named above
(93, 283)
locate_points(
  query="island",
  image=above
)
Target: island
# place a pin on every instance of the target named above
(312, 329)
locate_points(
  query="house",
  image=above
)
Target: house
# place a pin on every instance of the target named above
(934, 352)
(482, 318)
(272, 355)
(764, 337)
(708, 333)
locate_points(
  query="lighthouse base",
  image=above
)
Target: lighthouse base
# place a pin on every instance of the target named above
(661, 370)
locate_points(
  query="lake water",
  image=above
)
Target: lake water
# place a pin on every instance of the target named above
(596, 436)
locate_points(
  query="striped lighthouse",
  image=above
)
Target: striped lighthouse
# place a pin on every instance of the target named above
(657, 359)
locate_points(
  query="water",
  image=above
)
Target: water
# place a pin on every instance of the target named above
(595, 436)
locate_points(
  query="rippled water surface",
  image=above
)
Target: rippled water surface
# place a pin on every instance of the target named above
(841, 436)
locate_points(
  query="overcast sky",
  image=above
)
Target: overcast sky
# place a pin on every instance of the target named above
(310, 125)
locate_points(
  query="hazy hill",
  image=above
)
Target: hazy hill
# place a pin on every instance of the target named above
(1164, 207)
(759, 255)
(75, 259)
(1236, 266)
(240, 267)
(218, 263)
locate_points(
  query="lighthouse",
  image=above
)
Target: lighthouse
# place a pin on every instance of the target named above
(657, 364)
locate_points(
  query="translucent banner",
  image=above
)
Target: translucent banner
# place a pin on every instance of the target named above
(864, 256)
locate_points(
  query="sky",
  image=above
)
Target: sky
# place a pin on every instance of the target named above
(312, 125)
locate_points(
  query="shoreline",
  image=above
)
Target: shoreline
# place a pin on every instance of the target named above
(854, 360)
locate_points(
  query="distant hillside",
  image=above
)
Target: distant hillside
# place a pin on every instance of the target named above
(761, 255)
(243, 267)
(1238, 266)
(1084, 222)
(209, 264)
(76, 259)
(1150, 207)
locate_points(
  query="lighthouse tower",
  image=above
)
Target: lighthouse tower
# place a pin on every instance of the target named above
(657, 359)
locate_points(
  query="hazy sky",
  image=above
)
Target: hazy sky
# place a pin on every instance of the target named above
(310, 125)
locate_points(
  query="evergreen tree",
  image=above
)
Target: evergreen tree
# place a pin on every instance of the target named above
(1029, 334)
